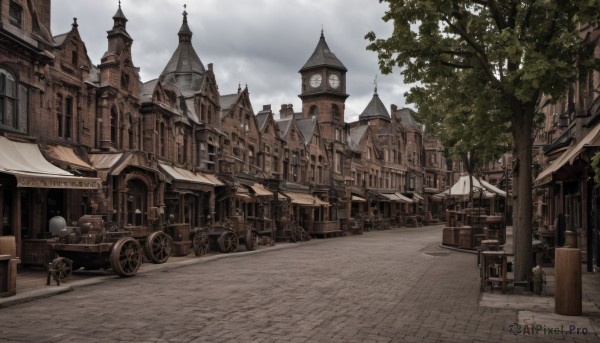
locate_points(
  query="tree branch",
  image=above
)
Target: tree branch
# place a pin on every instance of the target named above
(456, 65)
(480, 52)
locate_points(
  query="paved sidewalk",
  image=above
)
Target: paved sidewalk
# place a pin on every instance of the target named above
(539, 310)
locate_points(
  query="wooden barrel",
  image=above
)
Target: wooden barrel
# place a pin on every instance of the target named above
(567, 296)
(8, 246)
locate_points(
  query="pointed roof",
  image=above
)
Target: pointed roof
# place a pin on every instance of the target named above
(185, 69)
(307, 127)
(355, 136)
(120, 24)
(375, 109)
(322, 56)
(406, 118)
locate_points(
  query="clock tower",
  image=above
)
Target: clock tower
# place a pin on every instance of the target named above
(323, 90)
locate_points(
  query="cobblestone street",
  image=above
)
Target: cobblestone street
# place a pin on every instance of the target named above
(384, 286)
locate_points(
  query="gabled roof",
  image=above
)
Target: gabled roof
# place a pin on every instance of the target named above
(375, 109)
(262, 119)
(355, 136)
(227, 101)
(185, 69)
(284, 125)
(307, 127)
(406, 118)
(322, 56)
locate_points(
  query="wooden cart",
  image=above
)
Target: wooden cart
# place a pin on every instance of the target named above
(96, 245)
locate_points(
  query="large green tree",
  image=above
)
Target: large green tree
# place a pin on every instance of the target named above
(508, 55)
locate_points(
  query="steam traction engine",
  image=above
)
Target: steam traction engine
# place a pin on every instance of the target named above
(226, 236)
(94, 244)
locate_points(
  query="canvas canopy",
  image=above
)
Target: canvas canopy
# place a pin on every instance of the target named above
(462, 188)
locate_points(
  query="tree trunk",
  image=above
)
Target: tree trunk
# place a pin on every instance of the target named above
(522, 121)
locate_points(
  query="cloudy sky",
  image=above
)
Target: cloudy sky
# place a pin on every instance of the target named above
(261, 43)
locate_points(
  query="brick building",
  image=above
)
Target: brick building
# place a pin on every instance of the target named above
(174, 150)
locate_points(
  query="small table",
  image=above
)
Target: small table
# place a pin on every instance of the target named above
(494, 269)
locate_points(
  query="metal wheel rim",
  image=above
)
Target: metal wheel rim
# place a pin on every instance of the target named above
(126, 257)
(62, 267)
(251, 241)
(227, 241)
(158, 247)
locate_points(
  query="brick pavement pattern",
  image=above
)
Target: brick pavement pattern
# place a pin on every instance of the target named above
(384, 286)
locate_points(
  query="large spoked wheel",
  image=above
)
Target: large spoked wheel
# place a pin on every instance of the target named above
(158, 247)
(251, 238)
(200, 243)
(228, 241)
(61, 268)
(126, 257)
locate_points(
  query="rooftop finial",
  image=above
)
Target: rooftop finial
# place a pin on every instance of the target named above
(75, 23)
(185, 12)
(119, 3)
(322, 35)
(375, 83)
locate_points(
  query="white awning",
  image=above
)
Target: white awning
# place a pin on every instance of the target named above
(302, 199)
(26, 162)
(180, 174)
(404, 198)
(356, 198)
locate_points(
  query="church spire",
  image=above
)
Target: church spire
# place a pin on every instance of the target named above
(185, 34)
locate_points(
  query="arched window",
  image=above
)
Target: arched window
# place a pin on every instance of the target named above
(131, 132)
(335, 112)
(13, 102)
(68, 118)
(60, 117)
(314, 111)
(163, 140)
(113, 125)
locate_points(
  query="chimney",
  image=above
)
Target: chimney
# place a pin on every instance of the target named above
(267, 107)
(393, 110)
(43, 9)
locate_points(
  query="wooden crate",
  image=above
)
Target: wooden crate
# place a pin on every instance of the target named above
(37, 252)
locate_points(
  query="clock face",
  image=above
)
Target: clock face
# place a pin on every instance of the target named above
(334, 81)
(315, 80)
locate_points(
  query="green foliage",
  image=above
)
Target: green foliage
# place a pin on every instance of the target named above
(483, 66)
(596, 166)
